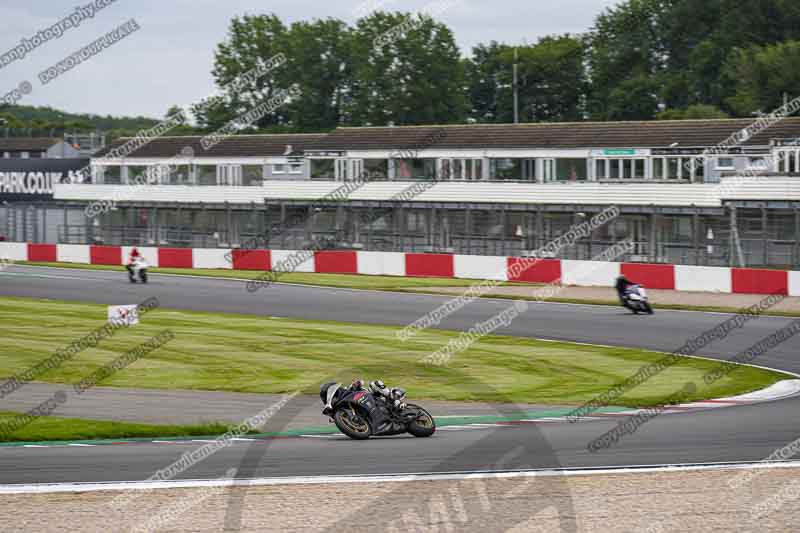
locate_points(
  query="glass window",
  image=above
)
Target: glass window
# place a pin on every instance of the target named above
(206, 174)
(477, 169)
(112, 175)
(673, 166)
(447, 172)
(615, 172)
(505, 169)
(252, 175)
(638, 168)
(178, 174)
(725, 163)
(600, 169)
(137, 175)
(627, 168)
(279, 168)
(322, 169)
(376, 169)
(416, 169)
(658, 168)
(296, 168)
(570, 169)
(699, 168)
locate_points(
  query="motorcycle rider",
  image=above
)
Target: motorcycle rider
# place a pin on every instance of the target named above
(622, 286)
(132, 259)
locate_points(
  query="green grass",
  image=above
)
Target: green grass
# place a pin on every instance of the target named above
(213, 351)
(55, 428)
(398, 284)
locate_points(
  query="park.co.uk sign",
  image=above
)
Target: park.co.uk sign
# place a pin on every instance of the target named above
(28, 182)
(34, 179)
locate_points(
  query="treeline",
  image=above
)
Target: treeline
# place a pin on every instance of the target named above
(33, 121)
(643, 59)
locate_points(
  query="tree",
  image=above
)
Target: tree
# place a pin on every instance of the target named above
(319, 62)
(407, 69)
(764, 74)
(487, 72)
(552, 79)
(693, 112)
(627, 56)
(252, 41)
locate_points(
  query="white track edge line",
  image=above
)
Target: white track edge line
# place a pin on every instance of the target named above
(49, 488)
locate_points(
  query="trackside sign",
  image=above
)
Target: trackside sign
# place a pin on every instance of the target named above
(25, 180)
(28, 182)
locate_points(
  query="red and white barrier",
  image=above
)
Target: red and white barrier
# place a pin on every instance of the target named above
(567, 272)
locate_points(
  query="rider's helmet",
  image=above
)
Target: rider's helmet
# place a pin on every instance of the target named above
(378, 387)
(358, 383)
(622, 282)
(134, 252)
(323, 390)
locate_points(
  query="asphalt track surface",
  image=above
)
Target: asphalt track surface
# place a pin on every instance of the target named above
(742, 433)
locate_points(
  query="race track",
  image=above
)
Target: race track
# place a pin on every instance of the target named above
(742, 433)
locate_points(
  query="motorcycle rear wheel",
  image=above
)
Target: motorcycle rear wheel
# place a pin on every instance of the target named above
(352, 424)
(422, 426)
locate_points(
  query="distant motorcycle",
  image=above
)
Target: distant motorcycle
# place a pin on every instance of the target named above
(635, 299)
(137, 268)
(359, 414)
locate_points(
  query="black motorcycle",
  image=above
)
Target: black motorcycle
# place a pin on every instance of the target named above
(359, 414)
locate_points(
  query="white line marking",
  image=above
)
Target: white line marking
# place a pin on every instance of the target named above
(79, 444)
(320, 436)
(45, 488)
(34, 446)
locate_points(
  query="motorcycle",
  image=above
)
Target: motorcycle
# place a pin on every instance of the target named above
(636, 300)
(137, 268)
(359, 414)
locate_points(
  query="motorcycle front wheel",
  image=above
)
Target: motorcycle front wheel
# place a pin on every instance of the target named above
(352, 424)
(423, 425)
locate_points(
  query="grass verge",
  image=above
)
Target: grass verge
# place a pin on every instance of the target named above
(226, 352)
(55, 428)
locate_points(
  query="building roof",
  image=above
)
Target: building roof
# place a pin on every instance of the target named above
(27, 144)
(234, 146)
(649, 134)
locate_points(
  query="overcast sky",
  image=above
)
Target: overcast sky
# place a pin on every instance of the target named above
(169, 60)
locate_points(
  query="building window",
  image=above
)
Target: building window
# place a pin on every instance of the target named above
(179, 175)
(571, 169)
(295, 168)
(725, 163)
(615, 169)
(461, 169)
(279, 168)
(376, 169)
(512, 169)
(415, 169)
(137, 175)
(322, 169)
(206, 174)
(112, 175)
(252, 175)
(35, 155)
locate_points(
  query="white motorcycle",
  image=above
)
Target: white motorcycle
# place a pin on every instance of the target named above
(137, 268)
(636, 300)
